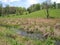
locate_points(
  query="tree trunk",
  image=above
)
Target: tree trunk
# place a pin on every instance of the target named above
(47, 10)
(47, 13)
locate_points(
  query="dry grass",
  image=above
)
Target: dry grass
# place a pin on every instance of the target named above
(32, 24)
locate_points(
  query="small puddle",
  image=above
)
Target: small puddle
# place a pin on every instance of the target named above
(30, 35)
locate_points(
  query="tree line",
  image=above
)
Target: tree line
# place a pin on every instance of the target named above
(11, 10)
(21, 10)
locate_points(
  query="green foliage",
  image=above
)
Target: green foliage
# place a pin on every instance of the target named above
(11, 10)
(49, 41)
(54, 5)
(33, 8)
(20, 10)
(0, 9)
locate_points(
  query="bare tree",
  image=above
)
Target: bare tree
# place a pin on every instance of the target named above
(48, 2)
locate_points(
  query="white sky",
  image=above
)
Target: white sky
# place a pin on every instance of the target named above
(24, 3)
(30, 1)
(57, 1)
(8, 0)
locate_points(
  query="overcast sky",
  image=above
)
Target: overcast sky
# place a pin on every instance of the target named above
(24, 3)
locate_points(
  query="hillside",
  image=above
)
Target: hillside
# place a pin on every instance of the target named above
(54, 13)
